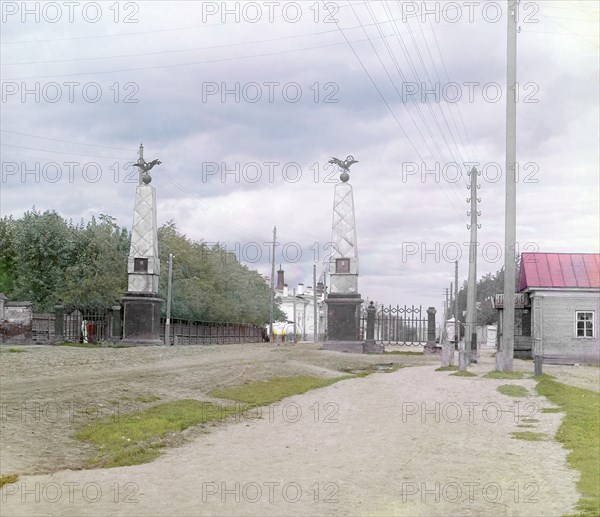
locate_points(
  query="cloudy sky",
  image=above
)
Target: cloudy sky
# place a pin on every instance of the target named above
(245, 103)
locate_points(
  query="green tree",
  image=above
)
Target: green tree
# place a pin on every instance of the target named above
(8, 255)
(209, 284)
(487, 286)
(98, 275)
(45, 246)
(44, 258)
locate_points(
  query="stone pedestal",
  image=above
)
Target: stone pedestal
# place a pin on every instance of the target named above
(343, 323)
(141, 319)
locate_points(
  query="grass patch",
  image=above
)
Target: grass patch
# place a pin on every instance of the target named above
(8, 479)
(529, 436)
(552, 410)
(14, 350)
(262, 393)
(464, 374)
(530, 420)
(504, 375)
(513, 391)
(137, 437)
(525, 425)
(400, 352)
(579, 432)
(450, 368)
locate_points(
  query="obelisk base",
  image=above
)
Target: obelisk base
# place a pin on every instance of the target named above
(141, 319)
(343, 323)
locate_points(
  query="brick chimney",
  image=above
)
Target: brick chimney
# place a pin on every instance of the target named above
(280, 282)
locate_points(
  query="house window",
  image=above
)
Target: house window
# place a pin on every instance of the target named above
(584, 324)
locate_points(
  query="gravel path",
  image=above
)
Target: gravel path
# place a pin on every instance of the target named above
(412, 442)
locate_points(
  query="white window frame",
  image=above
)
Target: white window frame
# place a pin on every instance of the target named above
(593, 313)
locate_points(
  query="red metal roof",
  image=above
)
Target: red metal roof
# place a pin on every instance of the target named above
(559, 270)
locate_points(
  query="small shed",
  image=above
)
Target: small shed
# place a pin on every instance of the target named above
(564, 293)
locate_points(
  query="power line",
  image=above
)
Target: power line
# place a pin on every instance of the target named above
(64, 141)
(176, 65)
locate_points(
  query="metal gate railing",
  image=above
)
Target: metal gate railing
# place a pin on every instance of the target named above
(399, 325)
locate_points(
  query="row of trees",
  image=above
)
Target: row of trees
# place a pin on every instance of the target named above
(487, 286)
(45, 258)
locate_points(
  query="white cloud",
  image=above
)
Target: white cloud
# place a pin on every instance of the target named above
(557, 136)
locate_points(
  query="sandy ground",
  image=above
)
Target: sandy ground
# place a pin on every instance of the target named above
(412, 442)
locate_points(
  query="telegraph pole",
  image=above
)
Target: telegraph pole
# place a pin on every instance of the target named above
(169, 294)
(272, 301)
(446, 306)
(504, 360)
(463, 353)
(315, 320)
(471, 319)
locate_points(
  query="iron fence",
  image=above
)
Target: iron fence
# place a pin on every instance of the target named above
(399, 325)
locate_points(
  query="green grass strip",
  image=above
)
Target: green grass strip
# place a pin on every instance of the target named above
(579, 432)
(134, 438)
(512, 390)
(450, 368)
(504, 375)
(529, 436)
(262, 393)
(8, 479)
(464, 374)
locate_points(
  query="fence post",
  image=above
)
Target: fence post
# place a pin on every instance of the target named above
(371, 322)
(116, 322)
(430, 347)
(59, 323)
(370, 346)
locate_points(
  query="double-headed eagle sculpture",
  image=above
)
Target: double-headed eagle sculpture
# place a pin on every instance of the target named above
(146, 166)
(345, 165)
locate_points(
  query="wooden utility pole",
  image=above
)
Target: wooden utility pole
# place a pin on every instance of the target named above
(504, 359)
(169, 294)
(456, 324)
(272, 301)
(447, 306)
(315, 320)
(471, 319)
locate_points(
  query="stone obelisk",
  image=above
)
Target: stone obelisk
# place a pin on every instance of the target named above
(141, 302)
(343, 300)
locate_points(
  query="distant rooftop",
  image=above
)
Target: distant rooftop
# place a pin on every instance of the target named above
(559, 270)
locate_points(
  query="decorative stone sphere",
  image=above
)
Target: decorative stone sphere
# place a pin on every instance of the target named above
(344, 176)
(146, 178)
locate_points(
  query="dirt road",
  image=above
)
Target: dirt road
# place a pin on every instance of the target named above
(412, 442)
